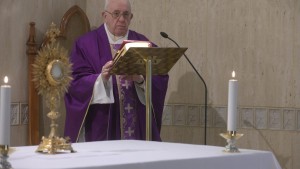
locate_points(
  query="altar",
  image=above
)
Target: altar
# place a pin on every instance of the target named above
(133, 154)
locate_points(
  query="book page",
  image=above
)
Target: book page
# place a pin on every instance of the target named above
(143, 44)
(128, 44)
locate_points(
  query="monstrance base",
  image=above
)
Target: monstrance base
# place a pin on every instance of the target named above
(55, 145)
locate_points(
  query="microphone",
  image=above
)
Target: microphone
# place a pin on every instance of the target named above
(163, 34)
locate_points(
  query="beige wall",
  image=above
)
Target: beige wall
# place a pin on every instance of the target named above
(259, 39)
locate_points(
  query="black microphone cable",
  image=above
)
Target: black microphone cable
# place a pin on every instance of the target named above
(163, 34)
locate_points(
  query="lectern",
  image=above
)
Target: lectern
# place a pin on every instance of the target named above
(146, 61)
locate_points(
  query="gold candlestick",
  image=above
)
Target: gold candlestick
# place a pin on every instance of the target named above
(4, 156)
(231, 138)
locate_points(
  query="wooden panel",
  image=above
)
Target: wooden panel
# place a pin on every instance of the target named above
(33, 100)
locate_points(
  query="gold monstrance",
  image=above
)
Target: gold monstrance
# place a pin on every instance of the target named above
(52, 77)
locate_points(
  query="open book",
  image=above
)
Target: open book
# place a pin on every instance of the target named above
(128, 44)
(125, 46)
(132, 57)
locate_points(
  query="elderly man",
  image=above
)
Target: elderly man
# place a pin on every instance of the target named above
(101, 106)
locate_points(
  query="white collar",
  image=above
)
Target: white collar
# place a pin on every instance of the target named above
(114, 39)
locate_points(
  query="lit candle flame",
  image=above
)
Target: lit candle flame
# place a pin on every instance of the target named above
(5, 79)
(233, 74)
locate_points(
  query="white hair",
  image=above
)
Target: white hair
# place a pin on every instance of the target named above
(108, 1)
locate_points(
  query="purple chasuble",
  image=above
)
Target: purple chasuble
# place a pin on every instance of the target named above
(102, 121)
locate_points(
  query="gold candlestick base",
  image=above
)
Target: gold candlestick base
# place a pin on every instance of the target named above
(54, 145)
(4, 156)
(231, 138)
(4, 150)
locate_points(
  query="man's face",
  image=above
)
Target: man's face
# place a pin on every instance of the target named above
(117, 17)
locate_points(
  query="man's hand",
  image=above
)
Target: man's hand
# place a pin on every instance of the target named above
(136, 78)
(105, 73)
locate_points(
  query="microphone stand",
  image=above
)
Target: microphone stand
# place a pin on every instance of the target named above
(205, 87)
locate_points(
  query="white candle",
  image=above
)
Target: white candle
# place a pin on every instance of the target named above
(232, 103)
(5, 97)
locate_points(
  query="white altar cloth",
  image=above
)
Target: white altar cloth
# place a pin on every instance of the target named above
(133, 154)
